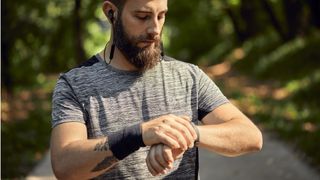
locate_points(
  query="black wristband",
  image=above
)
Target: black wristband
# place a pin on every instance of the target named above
(126, 141)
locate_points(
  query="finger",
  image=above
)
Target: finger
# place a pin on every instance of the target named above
(177, 134)
(187, 122)
(160, 156)
(168, 156)
(153, 162)
(177, 153)
(167, 140)
(183, 130)
(150, 168)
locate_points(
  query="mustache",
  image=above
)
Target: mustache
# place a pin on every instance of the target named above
(149, 37)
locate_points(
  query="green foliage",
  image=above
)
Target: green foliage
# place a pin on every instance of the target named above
(293, 67)
(292, 60)
(23, 144)
(195, 27)
(40, 38)
(26, 139)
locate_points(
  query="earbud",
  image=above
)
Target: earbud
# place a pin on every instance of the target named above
(111, 15)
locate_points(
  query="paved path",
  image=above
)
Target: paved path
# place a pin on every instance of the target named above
(275, 162)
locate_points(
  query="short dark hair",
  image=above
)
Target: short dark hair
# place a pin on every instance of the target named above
(118, 3)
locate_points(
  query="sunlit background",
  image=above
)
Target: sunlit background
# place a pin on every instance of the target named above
(264, 55)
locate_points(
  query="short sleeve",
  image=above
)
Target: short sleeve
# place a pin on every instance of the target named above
(209, 95)
(65, 104)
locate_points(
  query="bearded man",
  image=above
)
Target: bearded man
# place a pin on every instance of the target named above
(130, 112)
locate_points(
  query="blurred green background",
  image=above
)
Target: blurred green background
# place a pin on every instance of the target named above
(264, 54)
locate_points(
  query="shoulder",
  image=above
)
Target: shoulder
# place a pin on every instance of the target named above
(83, 69)
(86, 72)
(82, 76)
(178, 63)
(181, 66)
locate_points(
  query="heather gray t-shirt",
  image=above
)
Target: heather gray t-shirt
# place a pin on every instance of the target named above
(106, 100)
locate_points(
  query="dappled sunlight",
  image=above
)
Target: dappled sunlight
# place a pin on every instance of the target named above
(310, 127)
(280, 94)
(260, 90)
(22, 103)
(24, 95)
(218, 70)
(234, 80)
(277, 85)
(25, 123)
(4, 111)
(279, 54)
(238, 54)
(263, 55)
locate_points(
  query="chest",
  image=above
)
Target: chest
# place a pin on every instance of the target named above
(111, 107)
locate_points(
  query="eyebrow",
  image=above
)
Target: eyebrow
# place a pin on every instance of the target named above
(148, 10)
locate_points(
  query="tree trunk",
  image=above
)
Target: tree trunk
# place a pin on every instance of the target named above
(273, 19)
(5, 68)
(293, 14)
(79, 50)
(247, 11)
(6, 46)
(236, 25)
(314, 6)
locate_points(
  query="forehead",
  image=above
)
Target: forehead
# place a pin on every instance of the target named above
(146, 5)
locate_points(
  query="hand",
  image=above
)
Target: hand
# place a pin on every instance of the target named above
(161, 157)
(173, 131)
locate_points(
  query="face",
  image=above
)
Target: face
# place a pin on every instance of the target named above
(138, 32)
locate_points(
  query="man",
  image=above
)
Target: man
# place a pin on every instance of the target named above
(127, 112)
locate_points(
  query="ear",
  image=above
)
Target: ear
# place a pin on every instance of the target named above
(107, 8)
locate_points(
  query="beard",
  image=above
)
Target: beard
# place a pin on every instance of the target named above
(142, 58)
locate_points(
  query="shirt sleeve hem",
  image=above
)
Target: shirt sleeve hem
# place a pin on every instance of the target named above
(54, 124)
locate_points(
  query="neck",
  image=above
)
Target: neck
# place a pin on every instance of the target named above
(119, 61)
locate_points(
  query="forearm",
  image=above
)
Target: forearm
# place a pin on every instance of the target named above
(74, 156)
(83, 159)
(78, 156)
(231, 138)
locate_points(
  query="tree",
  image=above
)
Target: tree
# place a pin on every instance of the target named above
(293, 15)
(314, 6)
(273, 19)
(79, 51)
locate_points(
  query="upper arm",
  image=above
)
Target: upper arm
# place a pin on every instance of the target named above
(68, 116)
(209, 96)
(66, 105)
(66, 133)
(224, 113)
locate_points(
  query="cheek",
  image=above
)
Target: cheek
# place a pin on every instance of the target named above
(133, 27)
(161, 25)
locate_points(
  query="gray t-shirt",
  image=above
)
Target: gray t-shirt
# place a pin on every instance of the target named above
(106, 100)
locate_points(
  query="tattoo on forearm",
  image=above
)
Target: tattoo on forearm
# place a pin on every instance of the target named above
(107, 162)
(102, 146)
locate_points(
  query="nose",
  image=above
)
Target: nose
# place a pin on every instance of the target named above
(154, 27)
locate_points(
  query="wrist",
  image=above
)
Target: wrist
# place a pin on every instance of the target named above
(196, 129)
(126, 141)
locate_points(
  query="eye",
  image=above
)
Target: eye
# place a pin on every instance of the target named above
(143, 18)
(161, 17)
